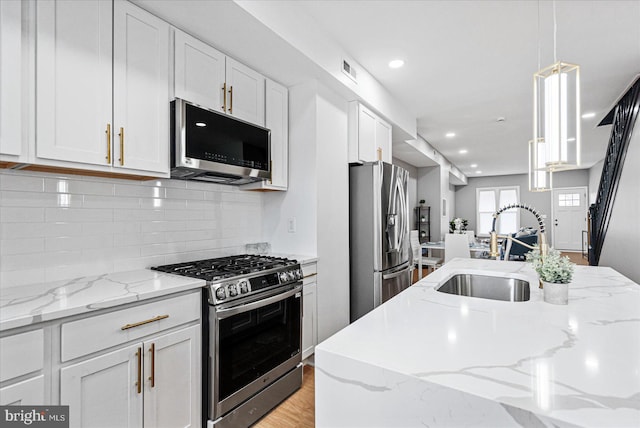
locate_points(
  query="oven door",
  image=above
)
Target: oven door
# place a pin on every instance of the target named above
(253, 342)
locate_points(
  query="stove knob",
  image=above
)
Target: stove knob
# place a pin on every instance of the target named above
(291, 275)
(233, 290)
(298, 274)
(220, 293)
(283, 276)
(244, 287)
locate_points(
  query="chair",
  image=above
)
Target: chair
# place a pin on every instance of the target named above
(416, 249)
(456, 245)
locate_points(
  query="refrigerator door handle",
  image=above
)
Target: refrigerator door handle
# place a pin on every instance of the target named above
(396, 274)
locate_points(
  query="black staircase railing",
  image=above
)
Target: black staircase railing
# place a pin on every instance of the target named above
(623, 118)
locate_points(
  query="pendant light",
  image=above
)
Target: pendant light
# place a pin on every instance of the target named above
(556, 112)
(540, 179)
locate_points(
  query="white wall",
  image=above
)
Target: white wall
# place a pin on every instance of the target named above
(300, 201)
(56, 227)
(595, 172)
(620, 250)
(333, 213)
(318, 197)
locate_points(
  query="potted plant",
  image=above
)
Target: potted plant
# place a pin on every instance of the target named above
(458, 225)
(555, 272)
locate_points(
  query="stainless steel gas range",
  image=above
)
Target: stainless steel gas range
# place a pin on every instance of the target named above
(253, 333)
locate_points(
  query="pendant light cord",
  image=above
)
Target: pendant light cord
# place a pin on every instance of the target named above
(555, 33)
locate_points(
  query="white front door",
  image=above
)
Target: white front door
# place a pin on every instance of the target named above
(569, 217)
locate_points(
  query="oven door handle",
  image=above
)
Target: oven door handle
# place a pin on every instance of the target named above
(226, 313)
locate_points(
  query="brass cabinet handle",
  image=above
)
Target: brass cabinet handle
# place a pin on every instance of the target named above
(224, 97)
(139, 323)
(152, 378)
(139, 382)
(108, 132)
(379, 153)
(310, 275)
(230, 99)
(121, 146)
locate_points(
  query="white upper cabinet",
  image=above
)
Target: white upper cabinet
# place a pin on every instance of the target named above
(369, 135)
(210, 79)
(141, 89)
(277, 120)
(10, 77)
(199, 72)
(245, 92)
(74, 91)
(82, 47)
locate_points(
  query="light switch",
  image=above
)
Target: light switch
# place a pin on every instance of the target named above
(291, 225)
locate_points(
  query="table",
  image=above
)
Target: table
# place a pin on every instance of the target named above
(476, 247)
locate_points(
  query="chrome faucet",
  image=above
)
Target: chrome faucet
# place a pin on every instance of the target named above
(493, 246)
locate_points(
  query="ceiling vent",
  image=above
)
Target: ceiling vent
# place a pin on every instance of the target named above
(349, 71)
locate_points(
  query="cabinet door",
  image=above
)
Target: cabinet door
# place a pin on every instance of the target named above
(173, 381)
(10, 77)
(245, 92)
(277, 120)
(141, 89)
(28, 392)
(309, 319)
(103, 391)
(73, 79)
(198, 72)
(367, 149)
(383, 140)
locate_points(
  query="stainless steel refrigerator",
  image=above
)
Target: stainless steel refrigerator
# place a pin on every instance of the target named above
(378, 235)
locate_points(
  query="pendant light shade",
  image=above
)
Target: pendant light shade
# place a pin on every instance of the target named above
(556, 117)
(540, 179)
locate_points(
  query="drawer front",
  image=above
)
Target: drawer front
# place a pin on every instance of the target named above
(21, 354)
(309, 273)
(99, 332)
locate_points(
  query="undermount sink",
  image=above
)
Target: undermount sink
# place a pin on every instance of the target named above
(487, 287)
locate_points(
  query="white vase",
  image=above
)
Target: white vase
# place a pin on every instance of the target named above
(557, 294)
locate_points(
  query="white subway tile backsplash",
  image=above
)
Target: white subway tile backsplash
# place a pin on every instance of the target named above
(59, 227)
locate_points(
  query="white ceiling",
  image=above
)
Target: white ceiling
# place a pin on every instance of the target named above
(466, 62)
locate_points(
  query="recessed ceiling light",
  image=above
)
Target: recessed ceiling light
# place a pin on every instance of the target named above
(463, 151)
(478, 172)
(588, 115)
(450, 134)
(474, 165)
(396, 63)
(571, 139)
(201, 124)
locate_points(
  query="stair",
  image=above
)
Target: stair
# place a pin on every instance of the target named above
(623, 118)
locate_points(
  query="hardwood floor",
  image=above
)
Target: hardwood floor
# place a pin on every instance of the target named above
(297, 411)
(576, 258)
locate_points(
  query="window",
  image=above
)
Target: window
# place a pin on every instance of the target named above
(488, 201)
(569, 199)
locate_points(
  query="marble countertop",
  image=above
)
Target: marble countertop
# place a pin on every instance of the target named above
(434, 359)
(30, 304)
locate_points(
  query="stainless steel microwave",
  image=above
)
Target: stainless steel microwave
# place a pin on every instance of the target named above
(211, 146)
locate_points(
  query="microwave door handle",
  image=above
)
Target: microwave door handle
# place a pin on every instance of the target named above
(226, 313)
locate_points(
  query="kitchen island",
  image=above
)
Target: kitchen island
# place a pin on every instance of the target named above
(427, 358)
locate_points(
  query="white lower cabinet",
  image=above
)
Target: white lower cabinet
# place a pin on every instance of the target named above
(309, 309)
(22, 355)
(103, 390)
(155, 383)
(27, 392)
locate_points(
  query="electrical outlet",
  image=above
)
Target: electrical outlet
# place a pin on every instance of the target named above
(291, 225)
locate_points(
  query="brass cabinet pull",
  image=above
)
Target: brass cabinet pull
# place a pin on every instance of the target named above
(310, 275)
(224, 97)
(138, 324)
(121, 146)
(139, 382)
(231, 99)
(379, 153)
(152, 378)
(108, 132)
